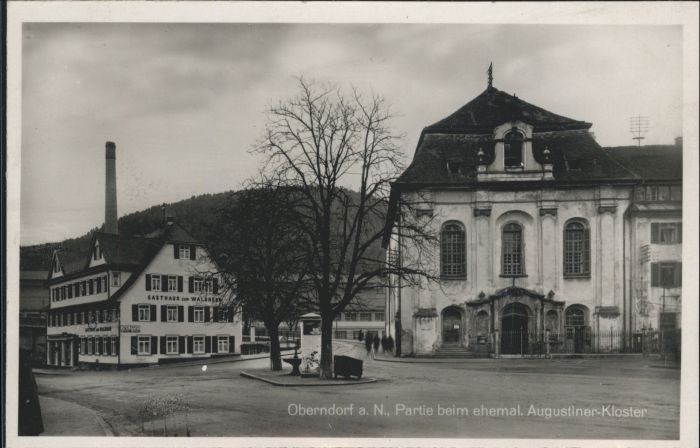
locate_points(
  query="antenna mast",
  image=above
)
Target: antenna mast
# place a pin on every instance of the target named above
(639, 126)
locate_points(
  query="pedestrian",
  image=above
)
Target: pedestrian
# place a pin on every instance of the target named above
(360, 336)
(368, 343)
(375, 342)
(384, 343)
(390, 343)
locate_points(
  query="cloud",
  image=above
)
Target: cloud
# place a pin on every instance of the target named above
(185, 102)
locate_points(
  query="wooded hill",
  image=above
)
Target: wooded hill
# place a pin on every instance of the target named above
(198, 214)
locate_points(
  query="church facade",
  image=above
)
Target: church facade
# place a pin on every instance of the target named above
(537, 227)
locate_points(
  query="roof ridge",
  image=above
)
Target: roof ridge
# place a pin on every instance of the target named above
(493, 107)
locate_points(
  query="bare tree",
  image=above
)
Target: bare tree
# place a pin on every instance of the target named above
(338, 152)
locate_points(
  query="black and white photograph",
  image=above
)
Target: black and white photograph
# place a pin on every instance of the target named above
(351, 224)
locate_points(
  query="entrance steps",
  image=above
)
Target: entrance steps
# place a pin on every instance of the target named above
(457, 352)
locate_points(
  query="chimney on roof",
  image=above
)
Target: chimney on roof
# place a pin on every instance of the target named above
(679, 142)
(110, 188)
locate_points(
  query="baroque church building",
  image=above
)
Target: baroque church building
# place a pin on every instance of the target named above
(540, 231)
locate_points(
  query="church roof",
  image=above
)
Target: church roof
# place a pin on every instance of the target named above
(494, 107)
(651, 163)
(575, 156)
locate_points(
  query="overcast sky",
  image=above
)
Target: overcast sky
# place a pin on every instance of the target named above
(184, 102)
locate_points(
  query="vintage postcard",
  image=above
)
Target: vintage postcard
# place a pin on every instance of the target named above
(352, 224)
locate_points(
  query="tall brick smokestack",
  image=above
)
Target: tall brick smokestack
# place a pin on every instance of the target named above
(110, 188)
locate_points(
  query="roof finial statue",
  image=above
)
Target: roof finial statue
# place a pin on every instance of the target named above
(490, 72)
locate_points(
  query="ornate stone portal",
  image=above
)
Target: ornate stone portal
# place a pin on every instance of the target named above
(511, 321)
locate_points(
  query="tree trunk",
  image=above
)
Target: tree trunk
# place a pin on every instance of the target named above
(275, 352)
(326, 348)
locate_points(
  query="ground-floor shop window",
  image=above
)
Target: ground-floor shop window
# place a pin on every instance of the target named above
(114, 346)
(144, 347)
(171, 347)
(198, 345)
(223, 344)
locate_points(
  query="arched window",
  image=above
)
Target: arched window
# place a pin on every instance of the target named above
(512, 244)
(577, 250)
(575, 317)
(452, 251)
(513, 150)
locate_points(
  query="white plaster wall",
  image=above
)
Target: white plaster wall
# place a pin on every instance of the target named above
(164, 263)
(641, 273)
(543, 251)
(83, 299)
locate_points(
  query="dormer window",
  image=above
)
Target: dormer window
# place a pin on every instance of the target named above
(513, 150)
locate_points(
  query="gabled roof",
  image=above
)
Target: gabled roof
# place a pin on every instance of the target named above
(494, 107)
(124, 250)
(70, 262)
(651, 163)
(132, 253)
(575, 156)
(173, 232)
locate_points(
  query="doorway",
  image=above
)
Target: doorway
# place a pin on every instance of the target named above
(514, 319)
(451, 326)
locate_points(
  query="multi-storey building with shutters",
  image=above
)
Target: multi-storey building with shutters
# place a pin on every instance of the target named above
(654, 236)
(546, 239)
(137, 300)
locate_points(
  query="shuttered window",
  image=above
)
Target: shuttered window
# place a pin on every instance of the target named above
(222, 346)
(198, 345)
(666, 232)
(144, 313)
(144, 345)
(172, 283)
(171, 345)
(183, 251)
(155, 282)
(666, 274)
(172, 313)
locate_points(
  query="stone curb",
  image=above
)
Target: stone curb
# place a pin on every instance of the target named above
(554, 356)
(430, 360)
(207, 361)
(330, 383)
(103, 424)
